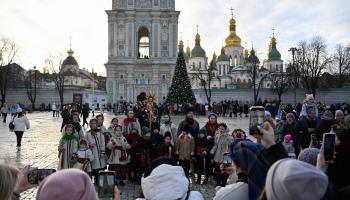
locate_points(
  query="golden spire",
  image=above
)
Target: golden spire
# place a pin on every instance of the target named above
(246, 52)
(273, 40)
(198, 37)
(214, 56)
(70, 51)
(188, 49)
(181, 45)
(222, 50)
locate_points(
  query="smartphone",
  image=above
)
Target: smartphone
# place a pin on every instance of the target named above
(37, 175)
(256, 118)
(227, 159)
(106, 183)
(329, 145)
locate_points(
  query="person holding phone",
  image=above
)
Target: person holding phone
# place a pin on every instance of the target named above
(14, 181)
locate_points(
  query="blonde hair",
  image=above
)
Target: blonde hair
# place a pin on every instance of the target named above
(8, 180)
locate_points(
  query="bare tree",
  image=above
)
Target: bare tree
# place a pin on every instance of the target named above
(257, 78)
(205, 77)
(341, 63)
(31, 86)
(280, 84)
(8, 53)
(58, 77)
(312, 59)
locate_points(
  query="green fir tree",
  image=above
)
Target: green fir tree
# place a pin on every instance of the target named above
(180, 90)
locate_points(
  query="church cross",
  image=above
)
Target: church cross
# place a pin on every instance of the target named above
(197, 28)
(232, 12)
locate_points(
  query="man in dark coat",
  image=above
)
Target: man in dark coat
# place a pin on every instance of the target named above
(190, 122)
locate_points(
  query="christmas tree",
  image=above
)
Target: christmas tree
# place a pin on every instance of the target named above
(180, 90)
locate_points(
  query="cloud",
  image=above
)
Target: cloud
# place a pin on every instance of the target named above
(43, 27)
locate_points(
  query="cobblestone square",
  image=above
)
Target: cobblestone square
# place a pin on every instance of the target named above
(40, 142)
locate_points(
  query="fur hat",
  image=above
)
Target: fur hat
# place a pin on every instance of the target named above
(309, 155)
(290, 115)
(293, 179)
(83, 141)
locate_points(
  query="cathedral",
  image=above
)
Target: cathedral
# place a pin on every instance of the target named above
(231, 68)
(142, 52)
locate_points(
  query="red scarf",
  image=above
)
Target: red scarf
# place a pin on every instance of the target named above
(212, 127)
(128, 120)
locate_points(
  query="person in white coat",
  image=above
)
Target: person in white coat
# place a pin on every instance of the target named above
(21, 123)
(168, 126)
(97, 145)
(83, 157)
(67, 148)
(119, 158)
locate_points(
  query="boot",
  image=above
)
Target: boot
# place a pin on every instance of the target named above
(199, 177)
(205, 181)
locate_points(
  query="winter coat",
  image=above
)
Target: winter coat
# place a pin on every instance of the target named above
(84, 154)
(21, 123)
(302, 128)
(185, 146)
(172, 129)
(192, 124)
(166, 150)
(323, 127)
(97, 145)
(221, 145)
(118, 146)
(275, 152)
(67, 150)
(128, 125)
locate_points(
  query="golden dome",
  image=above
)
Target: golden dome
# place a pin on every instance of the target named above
(233, 40)
(181, 45)
(214, 56)
(198, 39)
(70, 52)
(246, 54)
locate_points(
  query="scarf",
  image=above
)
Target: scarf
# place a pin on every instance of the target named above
(67, 137)
(128, 120)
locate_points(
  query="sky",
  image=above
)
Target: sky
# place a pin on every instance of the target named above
(43, 27)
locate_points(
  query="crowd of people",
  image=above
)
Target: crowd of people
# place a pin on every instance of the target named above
(286, 160)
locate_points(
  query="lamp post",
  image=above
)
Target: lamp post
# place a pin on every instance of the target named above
(295, 73)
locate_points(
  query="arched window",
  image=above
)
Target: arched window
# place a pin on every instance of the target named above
(236, 61)
(200, 65)
(231, 61)
(143, 43)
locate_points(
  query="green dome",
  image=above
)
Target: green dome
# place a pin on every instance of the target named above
(197, 51)
(274, 54)
(223, 57)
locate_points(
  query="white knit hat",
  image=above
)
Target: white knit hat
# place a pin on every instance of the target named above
(19, 110)
(294, 179)
(233, 191)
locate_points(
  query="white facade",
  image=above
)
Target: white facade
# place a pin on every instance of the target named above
(142, 48)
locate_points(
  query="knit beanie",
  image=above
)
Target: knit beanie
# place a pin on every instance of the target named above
(309, 155)
(290, 115)
(293, 179)
(339, 114)
(237, 191)
(66, 184)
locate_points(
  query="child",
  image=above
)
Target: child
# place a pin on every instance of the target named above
(97, 145)
(118, 158)
(202, 156)
(288, 145)
(157, 139)
(185, 149)
(133, 166)
(67, 147)
(83, 157)
(166, 149)
(114, 123)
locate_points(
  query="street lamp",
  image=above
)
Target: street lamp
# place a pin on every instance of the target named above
(295, 73)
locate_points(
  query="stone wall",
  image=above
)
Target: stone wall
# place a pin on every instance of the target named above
(334, 95)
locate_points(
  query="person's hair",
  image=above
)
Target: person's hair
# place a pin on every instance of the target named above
(223, 124)
(8, 177)
(93, 120)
